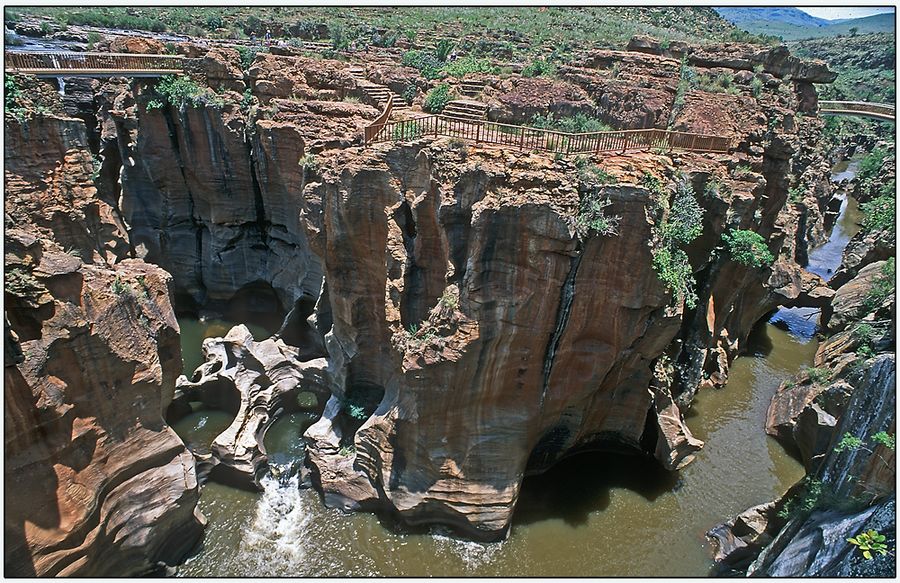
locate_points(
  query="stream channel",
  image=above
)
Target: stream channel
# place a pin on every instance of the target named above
(590, 515)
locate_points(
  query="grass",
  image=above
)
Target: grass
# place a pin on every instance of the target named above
(576, 124)
(556, 27)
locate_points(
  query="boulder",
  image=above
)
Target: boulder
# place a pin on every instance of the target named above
(258, 382)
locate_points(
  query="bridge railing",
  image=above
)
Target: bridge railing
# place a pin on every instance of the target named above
(372, 130)
(864, 107)
(528, 138)
(34, 61)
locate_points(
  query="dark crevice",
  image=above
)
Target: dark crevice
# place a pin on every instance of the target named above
(567, 296)
(198, 227)
(261, 224)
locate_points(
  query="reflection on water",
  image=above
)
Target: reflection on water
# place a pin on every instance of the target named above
(825, 259)
(200, 428)
(591, 514)
(194, 331)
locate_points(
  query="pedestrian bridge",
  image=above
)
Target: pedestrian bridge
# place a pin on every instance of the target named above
(883, 111)
(70, 64)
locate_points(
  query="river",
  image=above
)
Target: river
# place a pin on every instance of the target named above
(590, 515)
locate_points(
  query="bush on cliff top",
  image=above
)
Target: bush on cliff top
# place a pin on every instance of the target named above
(180, 91)
(748, 248)
(437, 99)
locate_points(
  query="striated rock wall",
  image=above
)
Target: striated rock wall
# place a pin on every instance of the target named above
(472, 336)
(96, 484)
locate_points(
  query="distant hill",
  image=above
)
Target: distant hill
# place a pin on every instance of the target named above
(864, 63)
(786, 23)
(793, 16)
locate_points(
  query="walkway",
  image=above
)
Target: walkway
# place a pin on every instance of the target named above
(883, 111)
(527, 138)
(70, 64)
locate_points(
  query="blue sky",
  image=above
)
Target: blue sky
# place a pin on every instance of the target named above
(833, 12)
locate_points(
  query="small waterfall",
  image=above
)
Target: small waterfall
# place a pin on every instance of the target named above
(274, 543)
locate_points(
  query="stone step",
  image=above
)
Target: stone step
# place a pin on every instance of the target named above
(457, 107)
(470, 104)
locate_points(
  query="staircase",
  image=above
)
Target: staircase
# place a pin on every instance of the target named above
(471, 88)
(466, 110)
(379, 93)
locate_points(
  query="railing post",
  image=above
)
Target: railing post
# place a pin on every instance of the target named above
(521, 137)
(478, 133)
(694, 142)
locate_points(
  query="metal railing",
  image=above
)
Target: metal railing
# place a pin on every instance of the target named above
(35, 62)
(371, 131)
(864, 108)
(527, 138)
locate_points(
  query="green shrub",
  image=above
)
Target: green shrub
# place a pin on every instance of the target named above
(756, 86)
(818, 376)
(871, 540)
(407, 130)
(409, 93)
(442, 50)
(308, 162)
(592, 174)
(181, 91)
(848, 442)
(879, 212)
(884, 438)
(22, 284)
(539, 67)
(685, 221)
(437, 99)
(424, 61)
(576, 124)
(248, 55)
(870, 165)
(469, 64)
(673, 269)
(864, 334)
(882, 288)
(119, 287)
(12, 92)
(748, 248)
(592, 218)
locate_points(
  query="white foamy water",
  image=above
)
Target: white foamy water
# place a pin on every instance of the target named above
(273, 544)
(472, 554)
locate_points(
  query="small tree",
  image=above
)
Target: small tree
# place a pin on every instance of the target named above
(748, 248)
(437, 99)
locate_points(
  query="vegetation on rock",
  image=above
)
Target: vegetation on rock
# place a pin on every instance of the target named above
(181, 91)
(437, 99)
(748, 248)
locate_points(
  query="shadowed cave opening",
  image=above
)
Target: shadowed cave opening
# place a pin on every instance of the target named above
(581, 484)
(359, 403)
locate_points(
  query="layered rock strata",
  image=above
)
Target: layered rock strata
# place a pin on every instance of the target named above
(96, 484)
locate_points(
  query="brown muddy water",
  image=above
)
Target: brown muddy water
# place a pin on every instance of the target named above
(590, 515)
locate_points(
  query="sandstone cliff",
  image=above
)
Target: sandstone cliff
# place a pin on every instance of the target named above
(96, 484)
(472, 335)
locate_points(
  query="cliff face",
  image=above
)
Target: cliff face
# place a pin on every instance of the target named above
(503, 342)
(472, 336)
(96, 483)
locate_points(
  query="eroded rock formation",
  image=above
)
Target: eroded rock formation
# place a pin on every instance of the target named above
(256, 382)
(472, 336)
(96, 483)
